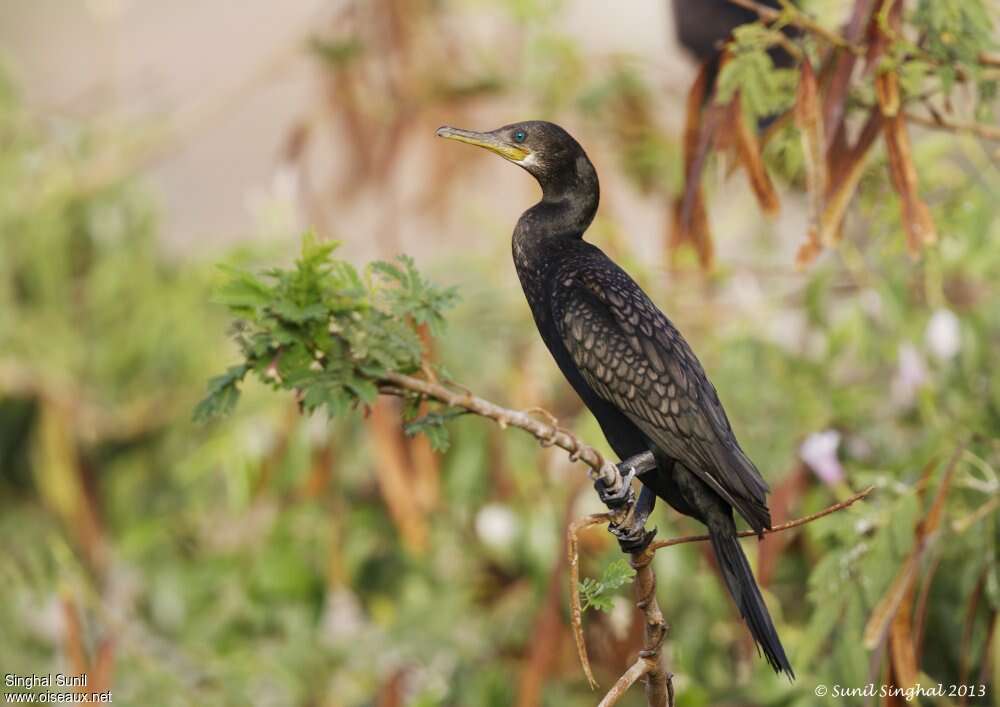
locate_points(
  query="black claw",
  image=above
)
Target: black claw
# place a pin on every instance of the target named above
(614, 500)
(632, 540)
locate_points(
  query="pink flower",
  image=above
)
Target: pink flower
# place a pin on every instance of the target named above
(910, 376)
(819, 452)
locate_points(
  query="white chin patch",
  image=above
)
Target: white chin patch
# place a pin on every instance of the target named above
(530, 161)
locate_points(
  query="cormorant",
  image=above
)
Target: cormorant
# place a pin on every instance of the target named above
(629, 364)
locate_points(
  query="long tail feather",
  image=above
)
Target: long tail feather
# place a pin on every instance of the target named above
(743, 588)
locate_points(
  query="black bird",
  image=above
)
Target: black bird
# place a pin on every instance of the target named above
(629, 364)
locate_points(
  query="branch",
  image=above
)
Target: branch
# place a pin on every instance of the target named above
(645, 583)
(937, 122)
(546, 433)
(789, 14)
(795, 17)
(659, 688)
(776, 529)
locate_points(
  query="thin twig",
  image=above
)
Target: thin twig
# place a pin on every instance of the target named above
(792, 16)
(776, 529)
(987, 132)
(576, 610)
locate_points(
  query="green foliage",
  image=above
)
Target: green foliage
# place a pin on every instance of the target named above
(955, 30)
(432, 425)
(597, 593)
(325, 331)
(764, 90)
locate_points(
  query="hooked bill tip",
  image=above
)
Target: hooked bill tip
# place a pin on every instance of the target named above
(444, 130)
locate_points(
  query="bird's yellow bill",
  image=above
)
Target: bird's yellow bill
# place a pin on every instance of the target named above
(514, 153)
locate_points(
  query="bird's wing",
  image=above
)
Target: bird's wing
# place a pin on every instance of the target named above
(634, 358)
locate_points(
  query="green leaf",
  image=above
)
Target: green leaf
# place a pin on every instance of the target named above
(320, 330)
(432, 425)
(764, 89)
(242, 289)
(596, 593)
(222, 395)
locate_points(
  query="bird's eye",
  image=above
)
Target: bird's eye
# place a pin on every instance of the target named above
(520, 135)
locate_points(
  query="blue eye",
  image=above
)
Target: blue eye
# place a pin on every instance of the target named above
(520, 135)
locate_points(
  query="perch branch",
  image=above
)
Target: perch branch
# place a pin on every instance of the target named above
(645, 583)
(659, 689)
(600, 469)
(648, 667)
(776, 529)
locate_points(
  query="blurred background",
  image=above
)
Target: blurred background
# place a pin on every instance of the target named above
(268, 559)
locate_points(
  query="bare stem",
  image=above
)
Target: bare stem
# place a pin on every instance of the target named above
(937, 122)
(576, 611)
(776, 529)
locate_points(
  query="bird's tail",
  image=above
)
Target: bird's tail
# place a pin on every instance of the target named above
(743, 588)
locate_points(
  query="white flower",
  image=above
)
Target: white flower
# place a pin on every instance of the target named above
(343, 617)
(910, 376)
(496, 525)
(943, 337)
(819, 452)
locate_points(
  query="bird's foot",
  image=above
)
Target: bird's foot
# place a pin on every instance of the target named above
(632, 538)
(615, 500)
(629, 468)
(631, 532)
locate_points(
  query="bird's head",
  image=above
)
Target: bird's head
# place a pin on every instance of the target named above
(544, 149)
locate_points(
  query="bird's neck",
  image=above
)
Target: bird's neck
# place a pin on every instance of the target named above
(569, 202)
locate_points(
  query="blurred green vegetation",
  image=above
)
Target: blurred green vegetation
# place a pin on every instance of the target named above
(274, 560)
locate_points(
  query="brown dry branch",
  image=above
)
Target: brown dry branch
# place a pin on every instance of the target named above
(649, 666)
(576, 610)
(809, 121)
(776, 529)
(600, 469)
(846, 172)
(747, 149)
(690, 217)
(926, 533)
(917, 220)
(659, 690)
